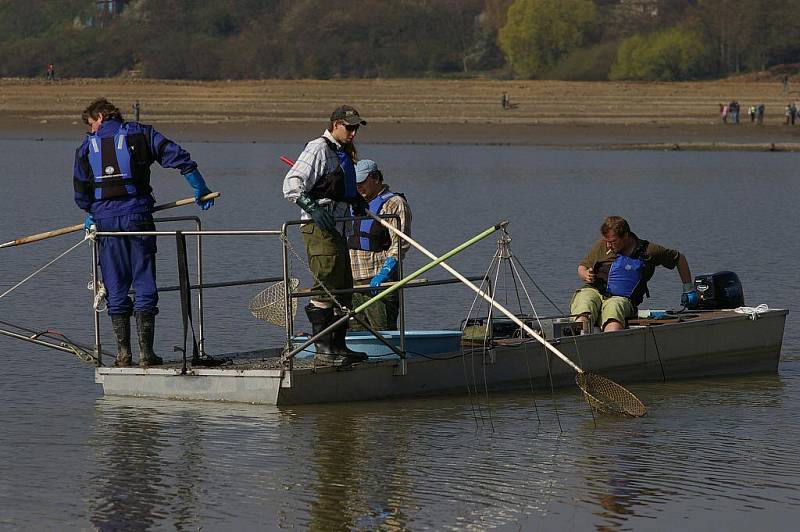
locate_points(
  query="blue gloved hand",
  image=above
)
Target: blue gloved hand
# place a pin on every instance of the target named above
(383, 275)
(318, 213)
(88, 222)
(195, 178)
(689, 298)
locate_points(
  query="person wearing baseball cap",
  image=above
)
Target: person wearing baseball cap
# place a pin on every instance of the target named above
(374, 250)
(322, 182)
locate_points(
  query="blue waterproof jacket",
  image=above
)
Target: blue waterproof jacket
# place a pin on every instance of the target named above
(145, 146)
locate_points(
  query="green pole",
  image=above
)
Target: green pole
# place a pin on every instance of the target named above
(432, 264)
(396, 287)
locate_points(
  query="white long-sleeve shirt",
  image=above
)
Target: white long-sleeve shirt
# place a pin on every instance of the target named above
(316, 160)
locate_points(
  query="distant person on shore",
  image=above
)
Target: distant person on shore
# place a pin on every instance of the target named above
(733, 109)
(136, 110)
(724, 112)
(760, 114)
(322, 182)
(751, 111)
(616, 271)
(790, 114)
(375, 252)
(51, 72)
(112, 184)
(505, 101)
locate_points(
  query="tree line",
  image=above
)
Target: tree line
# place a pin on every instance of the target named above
(286, 39)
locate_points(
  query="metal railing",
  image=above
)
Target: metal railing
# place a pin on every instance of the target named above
(288, 294)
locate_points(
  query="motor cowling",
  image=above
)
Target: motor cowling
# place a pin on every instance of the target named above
(719, 290)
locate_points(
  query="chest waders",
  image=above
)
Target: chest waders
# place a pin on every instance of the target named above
(338, 186)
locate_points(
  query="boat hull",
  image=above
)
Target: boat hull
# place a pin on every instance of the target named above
(721, 343)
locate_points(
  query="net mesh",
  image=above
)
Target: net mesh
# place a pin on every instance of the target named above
(605, 395)
(270, 304)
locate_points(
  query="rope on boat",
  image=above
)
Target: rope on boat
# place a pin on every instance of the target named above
(504, 255)
(31, 276)
(753, 312)
(99, 303)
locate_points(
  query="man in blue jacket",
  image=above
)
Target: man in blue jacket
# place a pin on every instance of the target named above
(112, 184)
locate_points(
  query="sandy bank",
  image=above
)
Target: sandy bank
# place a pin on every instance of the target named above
(546, 113)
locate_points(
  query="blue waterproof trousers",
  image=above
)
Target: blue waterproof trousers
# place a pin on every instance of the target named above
(126, 261)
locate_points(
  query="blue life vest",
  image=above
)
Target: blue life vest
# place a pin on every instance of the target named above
(110, 161)
(625, 275)
(349, 174)
(340, 184)
(369, 235)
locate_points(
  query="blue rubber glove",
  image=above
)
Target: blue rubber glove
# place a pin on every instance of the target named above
(689, 298)
(318, 213)
(195, 178)
(384, 274)
(88, 222)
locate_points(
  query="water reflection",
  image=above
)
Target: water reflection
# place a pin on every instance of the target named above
(128, 448)
(436, 463)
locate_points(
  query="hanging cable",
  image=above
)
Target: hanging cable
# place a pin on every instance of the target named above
(31, 276)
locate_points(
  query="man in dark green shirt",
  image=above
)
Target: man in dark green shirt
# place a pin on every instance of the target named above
(615, 272)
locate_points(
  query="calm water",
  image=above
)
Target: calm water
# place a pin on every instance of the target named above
(712, 454)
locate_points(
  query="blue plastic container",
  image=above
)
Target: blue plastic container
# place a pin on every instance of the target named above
(428, 343)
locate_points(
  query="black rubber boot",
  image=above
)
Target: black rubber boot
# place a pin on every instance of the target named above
(326, 352)
(121, 323)
(340, 345)
(146, 324)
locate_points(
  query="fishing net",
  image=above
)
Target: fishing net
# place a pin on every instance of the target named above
(270, 304)
(605, 395)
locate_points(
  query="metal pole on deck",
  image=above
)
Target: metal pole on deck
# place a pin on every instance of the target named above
(97, 347)
(202, 341)
(287, 298)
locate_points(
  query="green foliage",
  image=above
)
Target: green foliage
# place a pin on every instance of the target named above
(539, 32)
(585, 64)
(235, 39)
(668, 55)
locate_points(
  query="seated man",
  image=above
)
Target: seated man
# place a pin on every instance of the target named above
(616, 271)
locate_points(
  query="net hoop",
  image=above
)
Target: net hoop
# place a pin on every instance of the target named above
(269, 305)
(608, 397)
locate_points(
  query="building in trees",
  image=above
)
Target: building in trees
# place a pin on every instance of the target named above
(110, 7)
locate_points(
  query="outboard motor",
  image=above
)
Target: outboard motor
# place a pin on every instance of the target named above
(719, 290)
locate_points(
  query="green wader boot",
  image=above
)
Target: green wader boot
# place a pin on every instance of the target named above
(146, 324)
(121, 324)
(326, 352)
(340, 345)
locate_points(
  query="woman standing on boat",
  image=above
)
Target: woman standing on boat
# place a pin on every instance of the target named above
(322, 182)
(616, 271)
(112, 184)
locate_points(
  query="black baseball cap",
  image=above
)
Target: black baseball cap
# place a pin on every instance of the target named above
(349, 114)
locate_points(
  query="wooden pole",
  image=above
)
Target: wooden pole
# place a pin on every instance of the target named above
(73, 228)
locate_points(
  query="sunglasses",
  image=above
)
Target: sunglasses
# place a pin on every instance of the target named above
(348, 127)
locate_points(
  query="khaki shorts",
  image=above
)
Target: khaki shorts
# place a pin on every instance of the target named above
(588, 300)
